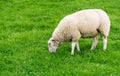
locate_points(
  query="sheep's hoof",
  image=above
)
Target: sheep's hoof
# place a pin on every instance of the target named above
(104, 49)
(79, 51)
(72, 53)
(91, 49)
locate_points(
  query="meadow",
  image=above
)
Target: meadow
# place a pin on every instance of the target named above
(26, 26)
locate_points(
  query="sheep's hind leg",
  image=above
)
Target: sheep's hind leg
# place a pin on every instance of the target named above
(104, 43)
(73, 47)
(95, 41)
(77, 46)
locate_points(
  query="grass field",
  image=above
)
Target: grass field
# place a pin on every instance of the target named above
(26, 26)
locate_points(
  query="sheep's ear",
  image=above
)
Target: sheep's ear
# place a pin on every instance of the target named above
(55, 41)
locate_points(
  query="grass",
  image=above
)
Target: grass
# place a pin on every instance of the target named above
(26, 26)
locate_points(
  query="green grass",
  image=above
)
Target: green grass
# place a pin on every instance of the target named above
(26, 26)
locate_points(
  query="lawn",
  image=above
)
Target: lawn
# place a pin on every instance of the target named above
(26, 26)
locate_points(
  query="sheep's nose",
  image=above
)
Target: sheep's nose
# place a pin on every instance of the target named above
(49, 44)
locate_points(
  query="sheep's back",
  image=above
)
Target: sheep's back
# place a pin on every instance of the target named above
(86, 21)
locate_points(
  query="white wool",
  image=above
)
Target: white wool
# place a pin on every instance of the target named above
(85, 23)
(81, 24)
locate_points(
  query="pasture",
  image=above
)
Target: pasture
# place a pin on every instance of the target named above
(26, 26)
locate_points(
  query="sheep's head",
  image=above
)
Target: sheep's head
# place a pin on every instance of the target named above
(52, 45)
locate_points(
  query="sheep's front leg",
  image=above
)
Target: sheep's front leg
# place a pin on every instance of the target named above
(73, 47)
(95, 41)
(77, 46)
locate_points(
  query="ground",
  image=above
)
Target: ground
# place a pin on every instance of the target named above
(26, 26)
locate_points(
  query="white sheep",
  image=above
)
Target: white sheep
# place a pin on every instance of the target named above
(82, 24)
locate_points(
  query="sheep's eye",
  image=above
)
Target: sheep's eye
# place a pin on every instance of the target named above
(53, 40)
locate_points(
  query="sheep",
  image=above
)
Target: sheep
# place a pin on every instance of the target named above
(82, 24)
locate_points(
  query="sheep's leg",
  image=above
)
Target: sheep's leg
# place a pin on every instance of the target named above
(77, 46)
(104, 43)
(95, 41)
(73, 47)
